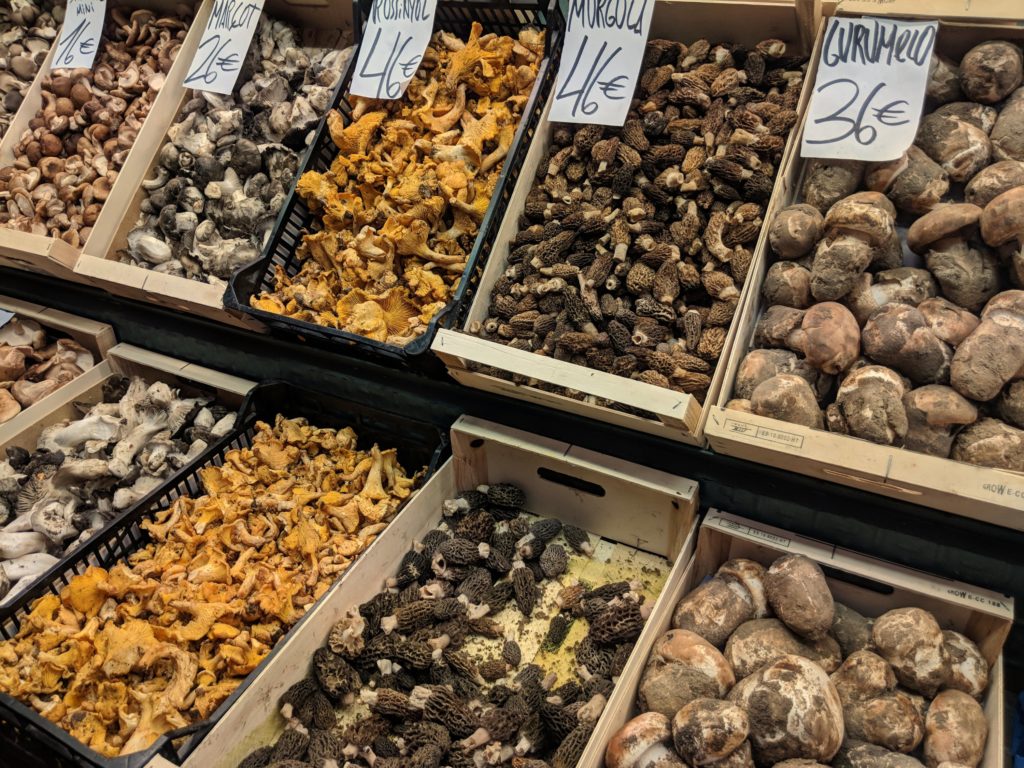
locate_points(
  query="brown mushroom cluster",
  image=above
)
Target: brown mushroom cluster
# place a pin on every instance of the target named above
(27, 30)
(69, 157)
(763, 668)
(894, 313)
(401, 206)
(444, 667)
(635, 242)
(33, 364)
(157, 641)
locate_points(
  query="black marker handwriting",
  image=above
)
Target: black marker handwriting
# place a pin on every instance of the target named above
(391, 10)
(582, 100)
(389, 81)
(75, 39)
(875, 42)
(855, 117)
(608, 14)
(214, 63)
(232, 14)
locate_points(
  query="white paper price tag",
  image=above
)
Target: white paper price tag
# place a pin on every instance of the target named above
(604, 47)
(81, 33)
(870, 89)
(222, 50)
(394, 41)
(5, 317)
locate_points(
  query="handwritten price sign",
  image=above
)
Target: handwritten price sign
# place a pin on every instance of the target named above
(870, 89)
(392, 48)
(222, 50)
(80, 35)
(604, 46)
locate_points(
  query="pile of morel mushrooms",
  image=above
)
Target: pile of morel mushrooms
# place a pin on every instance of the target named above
(68, 159)
(920, 347)
(401, 205)
(157, 641)
(85, 471)
(229, 161)
(637, 240)
(32, 365)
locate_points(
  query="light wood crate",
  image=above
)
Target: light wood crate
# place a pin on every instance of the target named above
(990, 495)
(866, 584)
(589, 489)
(679, 416)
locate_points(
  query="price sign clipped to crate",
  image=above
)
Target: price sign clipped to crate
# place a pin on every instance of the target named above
(870, 88)
(394, 41)
(80, 35)
(604, 47)
(222, 50)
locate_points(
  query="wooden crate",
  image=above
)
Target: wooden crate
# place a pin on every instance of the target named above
(866, 584)
(678, 416)
(991, 495)
(98, 338)
(322, 23)
(52, 255)
(585, 488)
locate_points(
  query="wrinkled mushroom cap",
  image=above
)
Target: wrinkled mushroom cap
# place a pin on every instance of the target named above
(876, 199)
(953, 220)
(829, 337)
(787, 397)
(636, 738)
(948, 321)
(941, 406)
(989, 72)
(795, 230)
(856, 217)
(1002, 220)
(993, 181)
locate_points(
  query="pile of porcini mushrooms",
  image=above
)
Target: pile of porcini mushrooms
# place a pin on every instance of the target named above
(27, 30)
(33, 364)
(157, 641)
(444, 666)
(69, 157)
(762, 668)
(83, 472)
(401, 206)
(894, 313)
(222, 177)
(636, 241)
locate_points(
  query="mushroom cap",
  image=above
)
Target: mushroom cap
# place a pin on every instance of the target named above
(992, 181)
(633, 740)
(1002, 220)
(941, 406)
(706, 730)
(990, 443)
(1009, 301)
(789, 398)
(9, 407)
(989, 72)
(681, 646)
(955, 730)
(959, 146)
(829, 337)
(788, 283)
(873, 374)
(877, 199)
(858, 217)
(800, 596)
(954, 219)
(795, 230)
(978, 115)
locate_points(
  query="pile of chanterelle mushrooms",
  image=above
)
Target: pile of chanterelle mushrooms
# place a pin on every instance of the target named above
(401, 205)
(908, 337)
(66, 162)
(33, 364)
(157, 641)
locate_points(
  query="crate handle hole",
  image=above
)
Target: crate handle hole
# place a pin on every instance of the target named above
(572, 482)
(858, 581)
(476, 443)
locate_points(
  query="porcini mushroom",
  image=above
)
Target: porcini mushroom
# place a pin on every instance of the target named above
(935, 414)
(989, 72)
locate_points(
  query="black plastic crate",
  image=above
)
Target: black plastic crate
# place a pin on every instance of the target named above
(27, 739)
(500, 16)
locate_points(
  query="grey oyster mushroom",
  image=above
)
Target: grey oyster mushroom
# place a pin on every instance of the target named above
(434, 681)
(27, 31)
(635, 243)
(83, 472)
(229, 161)
(68, 158)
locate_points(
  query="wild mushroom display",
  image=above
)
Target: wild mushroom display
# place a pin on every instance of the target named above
(86, 471)
(157, 641)
(401, 205)
(762, 667)
(229, 162)
(33, 364)
(636, 241)
(923, 344)
(27, 31)
(482, 650)
(69, 157)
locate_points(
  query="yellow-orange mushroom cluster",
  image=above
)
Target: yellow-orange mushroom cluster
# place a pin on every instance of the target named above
(402, 204)
(125, 654)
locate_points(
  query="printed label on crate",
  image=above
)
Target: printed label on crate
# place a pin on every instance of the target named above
(5, 317)
(779, 436)
(81, 33)
(870, 88)
(758, 533)
(1014, 493)
(604, 47)
(394, 41)
(226, 39)
(967, 595)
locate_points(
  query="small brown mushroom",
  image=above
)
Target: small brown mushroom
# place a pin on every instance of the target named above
(795, 231)
(1008, 132)
(12, 363)
(898, 336)
(1002, 220)
(788, 283)
(992, 181)
(914, 182)
(952, 221)
(935, 413)
(990, 443)
(855, 231)
(989, 72)
(28, 393)
(826, 182)
(788, 398)
(761, 364)
(903, 285)
(869, 405)
(828, 337)
(959, 147)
